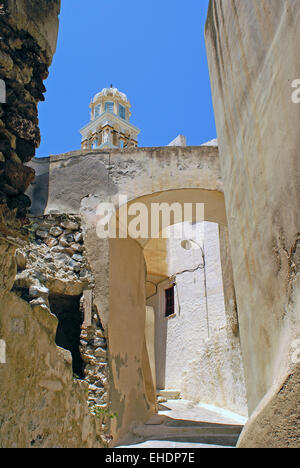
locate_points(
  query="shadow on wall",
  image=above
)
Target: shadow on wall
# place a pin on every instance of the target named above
(38, 190)
(161, 333)
(161, 370)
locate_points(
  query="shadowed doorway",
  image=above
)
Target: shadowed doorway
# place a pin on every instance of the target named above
(70, 318)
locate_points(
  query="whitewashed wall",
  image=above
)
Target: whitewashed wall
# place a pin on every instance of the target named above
(196, 352)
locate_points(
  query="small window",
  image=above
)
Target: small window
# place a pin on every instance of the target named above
(109, 107)
(97, 111)
(170, 301)
(95, 144)
(122, 112)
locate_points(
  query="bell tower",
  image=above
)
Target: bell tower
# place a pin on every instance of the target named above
(109, 126)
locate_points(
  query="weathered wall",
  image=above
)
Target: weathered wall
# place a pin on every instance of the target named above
(42, 405)
(28, 41)
(126, 336)
(228, 282)
(253, 59)
(135, 172)
(52, 265)
(39, 20)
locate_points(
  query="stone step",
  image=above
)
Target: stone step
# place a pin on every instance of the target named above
(190, 431)
(158, 444)
(169, 394)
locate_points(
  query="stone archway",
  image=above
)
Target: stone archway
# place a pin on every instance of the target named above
(77, 183)
(133, 387)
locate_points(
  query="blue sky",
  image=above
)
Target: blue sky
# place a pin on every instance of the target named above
(154, 51)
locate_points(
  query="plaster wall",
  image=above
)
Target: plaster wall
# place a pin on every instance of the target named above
(253, 60)
(126, 337)
(71, 181)
(42, 405)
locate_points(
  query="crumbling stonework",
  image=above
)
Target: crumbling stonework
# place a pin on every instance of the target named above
(28, 41)
(95, 355)
(54, 265)
(42, 404)
(26, 49)
(54, 261)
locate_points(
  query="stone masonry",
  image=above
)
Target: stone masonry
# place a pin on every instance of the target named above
(55, 264)
(24, 62)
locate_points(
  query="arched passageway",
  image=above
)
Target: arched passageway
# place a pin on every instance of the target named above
(124, 268)
(137, 268)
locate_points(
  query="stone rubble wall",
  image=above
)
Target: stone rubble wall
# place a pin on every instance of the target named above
(55, 263)
(94, 353)
(41, 404)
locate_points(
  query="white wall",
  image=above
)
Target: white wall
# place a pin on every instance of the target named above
(195, 350)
